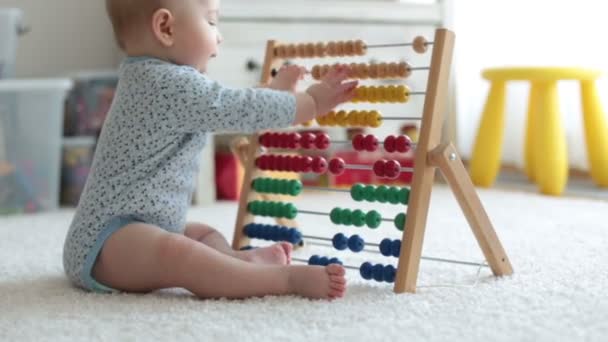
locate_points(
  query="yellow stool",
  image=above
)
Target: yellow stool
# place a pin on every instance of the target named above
(546, 159)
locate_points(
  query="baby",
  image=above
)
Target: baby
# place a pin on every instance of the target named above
(129, 232)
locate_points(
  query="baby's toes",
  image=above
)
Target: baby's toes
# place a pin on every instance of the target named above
(336, 293)
(335, 270)
(337, 279)
(287, 249)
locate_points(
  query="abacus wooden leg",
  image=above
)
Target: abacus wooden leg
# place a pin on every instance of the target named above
(551, 155)
(531, 128)
(485, 161)
(446, 158)
(596, 133)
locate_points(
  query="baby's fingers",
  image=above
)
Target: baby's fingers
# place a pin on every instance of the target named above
(346, 91)
(337, 75)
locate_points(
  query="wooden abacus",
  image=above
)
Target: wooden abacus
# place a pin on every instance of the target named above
(430, 154)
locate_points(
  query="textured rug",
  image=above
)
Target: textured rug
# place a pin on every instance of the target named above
(558, 247)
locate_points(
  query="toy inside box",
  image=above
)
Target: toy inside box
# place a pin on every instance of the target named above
(76, 161)
(89, 102)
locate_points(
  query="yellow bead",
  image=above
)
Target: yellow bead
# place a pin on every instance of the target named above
(361, 118)
(320, 120)
(330, 119)
(375, 119)
(351, 119)
(404, 94)
(341, 117)
(307, 123)
(361, 93)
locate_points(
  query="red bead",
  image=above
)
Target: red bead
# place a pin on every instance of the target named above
(389, 144)
(275, 140)
(264, 139)
(284, 142)
(370, 143)
(305, 164)
(392, 169)
(294, 140)
(337, 166)
(274, 162)
(322, 141)
(358, 142)
(379, 168)
(260, 162)
(294, 164)
(307, 140)
(319, 165)
(284, 163)
(403, 144)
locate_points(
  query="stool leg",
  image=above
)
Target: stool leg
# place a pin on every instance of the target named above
(485, 160)
(531, 127)
(596, 132)
(551, 156)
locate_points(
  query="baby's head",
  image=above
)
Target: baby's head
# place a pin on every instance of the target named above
(182, 31)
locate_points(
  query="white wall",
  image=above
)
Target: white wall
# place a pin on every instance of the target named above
(66, 36)
(492, 33)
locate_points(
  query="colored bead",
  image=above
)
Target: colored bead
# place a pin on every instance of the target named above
(264, 139)
(385, 247)
(294, 140)
(373, 219)
(337, 166)
(305, 164)
(322, 141)
(357, 192)
(375, 119)
(392, 169)
(404, 196)
(403, 144)
(274, 139)
(393, 195)
(389, 144)
(382, 194)
(358, 218)
(335, 215)
(340, 242)
(294, 164)
(378, 272)
(370, 143)
(345, 217)
(400, 221)
(366, 271)
(295, 237)
(356, 243)
(319, 165)
(388, 274)
(379, 168)
(369, 193)
(290, 211)
(323, 261)
(307, 140)
(295, 187)
(334, 261)
(330, 119)
(284, 142)
(420, 45)
(358, 142)
(314, 260)
(341, 117)
(274, 162)
(395, 248)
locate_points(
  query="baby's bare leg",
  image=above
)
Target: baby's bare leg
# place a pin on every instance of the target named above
(279, 254)
(142, 258)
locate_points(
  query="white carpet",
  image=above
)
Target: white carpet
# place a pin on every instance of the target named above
(558, 247)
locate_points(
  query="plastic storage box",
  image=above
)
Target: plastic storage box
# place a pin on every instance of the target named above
(31, 113)
(10, 29)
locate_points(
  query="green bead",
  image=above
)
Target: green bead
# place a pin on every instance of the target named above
(265, 185)
(393, 195)
(369, 193)
(382, 194)
(295, 187)
(276, 186)
(262, 209)
(345, 217)
(400, 221)
(358, 218)
(290, 211)
(357, 192)
(373, 219)
(280, 186)
(252, 207)
(404, 196)
(335, 215)
(255, 185)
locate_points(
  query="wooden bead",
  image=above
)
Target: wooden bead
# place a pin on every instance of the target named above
(349, 48)
(320, 50)
(353, 70)
(360, 48)
(373, 70)
(310, 50)
(392, 70)
(404, 70)
(362, 71)
(420, 44)
(292, 51)
(382, 70)
(331, 49)
(281, 51)
(301, 50)
(325, 70)
(340, 49)
(316, 72)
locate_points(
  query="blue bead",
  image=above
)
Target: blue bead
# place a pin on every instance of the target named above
(389, 274)
(385, 247)
(314, 260)
(283, 234)
(293, 236)
(340, 242)
(335, 261)
(356, 243)
(366, 271)
(396, 248)
(323, 261)
(378, 272)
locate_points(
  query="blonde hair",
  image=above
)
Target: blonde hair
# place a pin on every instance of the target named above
(128, 15)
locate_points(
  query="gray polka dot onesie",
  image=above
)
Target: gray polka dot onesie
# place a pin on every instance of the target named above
(149, 149)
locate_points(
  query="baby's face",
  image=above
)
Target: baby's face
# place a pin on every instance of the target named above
(197, 37)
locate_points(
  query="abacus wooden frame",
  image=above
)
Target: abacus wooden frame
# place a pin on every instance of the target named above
(430, 154)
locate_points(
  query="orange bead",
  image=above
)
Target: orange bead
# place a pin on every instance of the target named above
(281, 51)
(316, 72)
(331, 49)
(373, 70)
(349, 48)
(382, 70)
(325, 70)
(292, 51)
(420, 44)
(404, 70)
(320, 50)
(301, 50)
(353, 70)
(392, 70)
(363, 71)
(340, 47)
(360, 48)
(310, 50)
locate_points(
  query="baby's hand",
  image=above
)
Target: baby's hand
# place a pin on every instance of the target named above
(332, 90)
(287, 78)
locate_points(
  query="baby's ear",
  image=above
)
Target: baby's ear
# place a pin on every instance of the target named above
(162, 26)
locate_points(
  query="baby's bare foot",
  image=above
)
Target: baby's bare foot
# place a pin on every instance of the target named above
(318, 282)
(278, 254)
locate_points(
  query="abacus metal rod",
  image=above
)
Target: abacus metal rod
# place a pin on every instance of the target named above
(443, 260)
(371, 168)
(380, 46)
(319, 188)
(348, 142)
